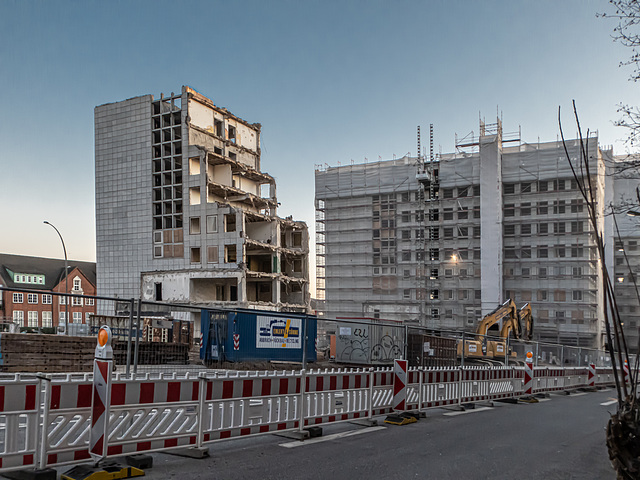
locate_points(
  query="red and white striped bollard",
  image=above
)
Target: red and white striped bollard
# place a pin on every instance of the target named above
(101, 399)
(400, 385)
(592, 375)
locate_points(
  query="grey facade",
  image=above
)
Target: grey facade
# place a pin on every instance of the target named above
(441, 243)
(183, 212)
(626, 270)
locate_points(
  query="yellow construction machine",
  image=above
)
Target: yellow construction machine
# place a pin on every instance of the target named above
(521, 326)
(479, 347)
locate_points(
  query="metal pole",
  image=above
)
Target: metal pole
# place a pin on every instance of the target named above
(131, 307)
(537, 352)
(41, 461)
(507, 354)
(463, 350)
(135, 357)
(303, 386)
(579, 356)
(66, 280)
(406, 341)
(562, 356)
(305, 325)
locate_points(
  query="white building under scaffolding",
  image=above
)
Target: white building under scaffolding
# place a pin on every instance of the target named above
(441, 242)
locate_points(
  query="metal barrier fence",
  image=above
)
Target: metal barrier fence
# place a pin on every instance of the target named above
(370, 341)
(45, 420)
(162, 337)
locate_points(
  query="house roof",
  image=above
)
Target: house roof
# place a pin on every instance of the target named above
(51, 268)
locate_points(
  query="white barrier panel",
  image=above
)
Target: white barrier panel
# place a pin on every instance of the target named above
(480, 384)
(247, 403)
(334, 396)
(438, 388)
(19, 413)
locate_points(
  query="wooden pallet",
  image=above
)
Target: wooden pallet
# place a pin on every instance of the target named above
(21, 352)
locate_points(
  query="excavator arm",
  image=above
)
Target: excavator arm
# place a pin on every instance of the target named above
(507, 309)
(526, 320)
(511, 323)
(521, 324)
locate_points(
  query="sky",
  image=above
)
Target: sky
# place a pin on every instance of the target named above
(331, 82)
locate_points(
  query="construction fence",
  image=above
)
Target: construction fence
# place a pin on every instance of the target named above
(46, 419)
(162, 337)
(370, 341)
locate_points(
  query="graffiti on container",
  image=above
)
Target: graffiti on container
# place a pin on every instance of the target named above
(386, 350)
(354, 345)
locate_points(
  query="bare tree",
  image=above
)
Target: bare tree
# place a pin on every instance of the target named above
(627, 32)
(627, 14)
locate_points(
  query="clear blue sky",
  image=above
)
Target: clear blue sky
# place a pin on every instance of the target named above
(330, 81)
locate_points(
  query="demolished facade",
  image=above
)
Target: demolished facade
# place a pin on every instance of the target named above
(184, 213)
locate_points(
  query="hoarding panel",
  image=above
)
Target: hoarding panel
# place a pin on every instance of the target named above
(278, 332)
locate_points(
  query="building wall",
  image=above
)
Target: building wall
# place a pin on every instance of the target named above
(626, 267)
(34, 302)
(123, 195)
(184, 213)
(463, 250)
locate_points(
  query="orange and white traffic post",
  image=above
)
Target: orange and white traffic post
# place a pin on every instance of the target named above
(101, 399)
(528, 374)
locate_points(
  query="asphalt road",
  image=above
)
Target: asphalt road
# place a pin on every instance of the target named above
(559, 438)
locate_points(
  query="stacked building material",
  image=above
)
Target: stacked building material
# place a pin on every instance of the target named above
(431, 351)
(21, 352)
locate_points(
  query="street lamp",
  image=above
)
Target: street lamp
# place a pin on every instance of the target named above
(66, 280)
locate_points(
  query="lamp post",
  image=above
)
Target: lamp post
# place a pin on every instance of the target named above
(66, 280)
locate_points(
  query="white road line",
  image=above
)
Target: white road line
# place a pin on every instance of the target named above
(610, 402)
(327, 438)
(453, 414)
(578, 394)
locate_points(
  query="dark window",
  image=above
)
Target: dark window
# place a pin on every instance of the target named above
(543, 208)
(509, 210)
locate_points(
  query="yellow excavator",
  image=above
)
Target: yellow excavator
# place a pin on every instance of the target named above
(479, 347)
(521, 326)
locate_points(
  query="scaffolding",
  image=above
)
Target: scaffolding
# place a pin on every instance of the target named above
(401, 239)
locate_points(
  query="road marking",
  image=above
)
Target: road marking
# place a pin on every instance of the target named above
(610, 402)
(453, 414)
(578, 394)
(327, 438)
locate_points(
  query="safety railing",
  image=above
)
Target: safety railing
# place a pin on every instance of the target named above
(45, 420)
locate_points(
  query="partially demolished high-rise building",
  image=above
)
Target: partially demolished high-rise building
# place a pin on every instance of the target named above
(184, 213)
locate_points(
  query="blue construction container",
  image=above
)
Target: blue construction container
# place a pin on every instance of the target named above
(257, 335)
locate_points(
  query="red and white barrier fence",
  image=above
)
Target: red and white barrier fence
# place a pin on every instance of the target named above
(153, 414)
(19, 411)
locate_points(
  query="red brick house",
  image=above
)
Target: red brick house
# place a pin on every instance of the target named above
(37, 306)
